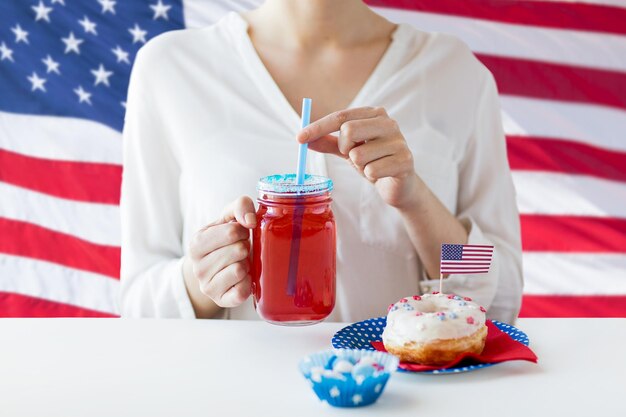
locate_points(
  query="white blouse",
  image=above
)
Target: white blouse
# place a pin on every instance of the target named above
(205, 120)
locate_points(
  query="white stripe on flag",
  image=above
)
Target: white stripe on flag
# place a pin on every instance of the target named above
(581, 48)
(57, 283)
(62, 138)
(574, 273)
(96, 223)
(594, 125)
(560, 194)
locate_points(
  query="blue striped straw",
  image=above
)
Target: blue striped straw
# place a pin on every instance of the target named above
(306, 119)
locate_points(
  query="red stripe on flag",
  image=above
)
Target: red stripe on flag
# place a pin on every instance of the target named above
(573, 234)
(17, 305)
(538, 79)
(573, 306)
(81, 181)
(33, 241)
(559, 15)
(558, 155)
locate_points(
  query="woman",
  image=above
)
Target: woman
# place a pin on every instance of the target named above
(419, 159)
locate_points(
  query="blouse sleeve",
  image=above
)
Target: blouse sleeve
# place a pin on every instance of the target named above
(152, 282)
(486, 206)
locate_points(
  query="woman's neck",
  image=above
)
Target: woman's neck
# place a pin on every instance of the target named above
(316, 23)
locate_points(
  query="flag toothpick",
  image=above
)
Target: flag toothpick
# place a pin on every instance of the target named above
(464, 259)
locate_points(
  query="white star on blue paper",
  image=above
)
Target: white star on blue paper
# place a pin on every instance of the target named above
(107, 6)
(72, 44)
(36, 82)
(101, 75)
(139, 35)
(20, 34)
(83, 96)
(160, 10)
(120, 54)
(42, 12)
(51, 65)
(88, 25)
(6, 53)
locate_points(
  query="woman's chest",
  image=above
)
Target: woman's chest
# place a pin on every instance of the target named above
(333, 78)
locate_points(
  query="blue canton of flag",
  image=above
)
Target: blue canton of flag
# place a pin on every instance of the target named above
(465, 259)
(73, 57)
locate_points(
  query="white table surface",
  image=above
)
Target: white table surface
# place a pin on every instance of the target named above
(115, 367)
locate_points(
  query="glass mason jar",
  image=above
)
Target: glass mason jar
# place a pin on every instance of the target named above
(294, 250)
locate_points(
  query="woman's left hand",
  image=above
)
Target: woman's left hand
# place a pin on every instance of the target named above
(373, 143)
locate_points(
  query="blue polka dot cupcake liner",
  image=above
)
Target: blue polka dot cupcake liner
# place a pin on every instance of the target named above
(348, 377)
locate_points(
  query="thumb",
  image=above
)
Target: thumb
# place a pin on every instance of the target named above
(327, 144)
(242, 210)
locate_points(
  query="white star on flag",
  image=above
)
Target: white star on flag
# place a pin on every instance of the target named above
(88, 25)
(37, 83)
(42, 12)
(122, 55)
(102, 75)
(72, 44)
(83, 96)
(61, 2)
(357, 399)
(20, 34)
(51, 64)
(334, 392)
(123, 104)
(5, 52)
(160, 10)
(139, 35)
(107, 6)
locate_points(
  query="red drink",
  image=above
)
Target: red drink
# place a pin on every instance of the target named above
(293, 255)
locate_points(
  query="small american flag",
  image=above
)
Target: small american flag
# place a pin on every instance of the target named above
(465, 259)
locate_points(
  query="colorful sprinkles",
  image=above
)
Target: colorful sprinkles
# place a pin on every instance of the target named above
(404, 304)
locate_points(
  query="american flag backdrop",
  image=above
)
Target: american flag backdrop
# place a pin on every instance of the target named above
(64, 68)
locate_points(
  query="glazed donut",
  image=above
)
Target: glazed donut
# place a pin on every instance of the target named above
(433, 329)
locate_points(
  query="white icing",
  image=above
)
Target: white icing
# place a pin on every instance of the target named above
(405, 326)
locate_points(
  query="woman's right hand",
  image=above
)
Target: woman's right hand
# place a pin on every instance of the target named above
(219, 257)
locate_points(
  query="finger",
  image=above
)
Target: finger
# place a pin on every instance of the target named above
(332, 122)
(327, 144)
(238, 293)
(354, 132)
(369, 152)
(224, 281)
(389, 166)
(211, 264)
(210, 238)
(242, 210)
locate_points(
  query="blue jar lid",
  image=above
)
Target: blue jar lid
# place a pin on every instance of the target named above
(286, 184)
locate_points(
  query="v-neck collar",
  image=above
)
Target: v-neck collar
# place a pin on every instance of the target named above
(274, 95)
